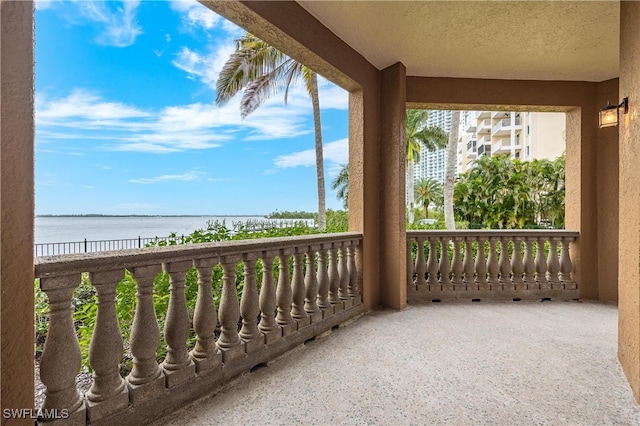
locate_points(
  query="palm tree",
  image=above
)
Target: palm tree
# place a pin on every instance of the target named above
(418, 135)
(262, 71)
(427, 191)
(341, 183)
(450, 176)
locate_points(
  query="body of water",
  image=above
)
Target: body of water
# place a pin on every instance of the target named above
(67, 229)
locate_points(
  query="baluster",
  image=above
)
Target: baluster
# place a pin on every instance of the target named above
(444, 267)
(566, 266)
(311, 286)
(481, 266)
(529, 265)
(177, 365)
(61, 358)
(334, 279)
(268, 325)
(146, 379)
(323, 283)
(250, 306)
(205, 353)
(492, 265)
(343, 291)
(457, 266)
(421, 266)
(432, 266)
(517, 267)
(411, 286)
(229, 341)
(505, 265)
(541, 265)
(553, 265)
(297, 286)
(284, 295)
(468, 265)
(353, 273)
(108, 393)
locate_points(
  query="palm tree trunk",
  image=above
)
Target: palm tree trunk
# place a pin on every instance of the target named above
(322, 210)
(450, 176)
(410, 190)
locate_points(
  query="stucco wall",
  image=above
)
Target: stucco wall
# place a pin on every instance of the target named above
(16, 201)
(629, 196)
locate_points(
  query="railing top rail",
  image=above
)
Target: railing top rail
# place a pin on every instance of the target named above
(109, 260)
(486, 233)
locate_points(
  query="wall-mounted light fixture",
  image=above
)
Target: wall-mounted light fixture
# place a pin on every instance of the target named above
(610, 114)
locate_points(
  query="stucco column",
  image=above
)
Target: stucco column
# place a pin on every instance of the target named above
(607, 159)
(629, 196)
(581, 194)
(364, 181)
(393, 238)
(16, 202)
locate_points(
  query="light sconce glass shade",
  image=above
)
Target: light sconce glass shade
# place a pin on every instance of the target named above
(610, 114)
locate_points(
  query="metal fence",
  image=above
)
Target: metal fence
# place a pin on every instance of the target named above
(87, 246)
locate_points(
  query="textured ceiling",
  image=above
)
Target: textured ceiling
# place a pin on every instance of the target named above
(540, 40)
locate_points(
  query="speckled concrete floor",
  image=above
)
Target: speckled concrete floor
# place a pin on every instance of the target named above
(482, 363)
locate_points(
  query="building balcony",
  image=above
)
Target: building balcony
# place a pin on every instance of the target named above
(499, 115)
(505, 126)
(481, 115)
(484, 127)
(484, 150)
(504, 146)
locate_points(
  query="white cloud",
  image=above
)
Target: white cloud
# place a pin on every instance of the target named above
(196, 14)
(185, 177)
(83, 104)
(116, 20)
(205, 67)
(336, 152)
(43, 4)
(86, 117)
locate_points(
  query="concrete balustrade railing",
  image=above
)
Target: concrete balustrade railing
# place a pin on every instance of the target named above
(494, 264)
(323, 291)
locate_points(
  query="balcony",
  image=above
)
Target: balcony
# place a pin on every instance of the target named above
(484, 149)
(441, 364)
(499, 114)
(308, 286)
(504, 127)
(504, 146)
(480, 115)
(484, 127)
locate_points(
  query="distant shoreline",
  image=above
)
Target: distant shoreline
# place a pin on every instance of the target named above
(151, 215)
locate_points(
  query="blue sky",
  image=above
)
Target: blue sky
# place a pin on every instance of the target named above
(126, 121)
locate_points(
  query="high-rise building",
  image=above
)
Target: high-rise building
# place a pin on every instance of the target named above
(523, 135)
(432, 164)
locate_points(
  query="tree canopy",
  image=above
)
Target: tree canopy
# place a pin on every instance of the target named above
(500, 192)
